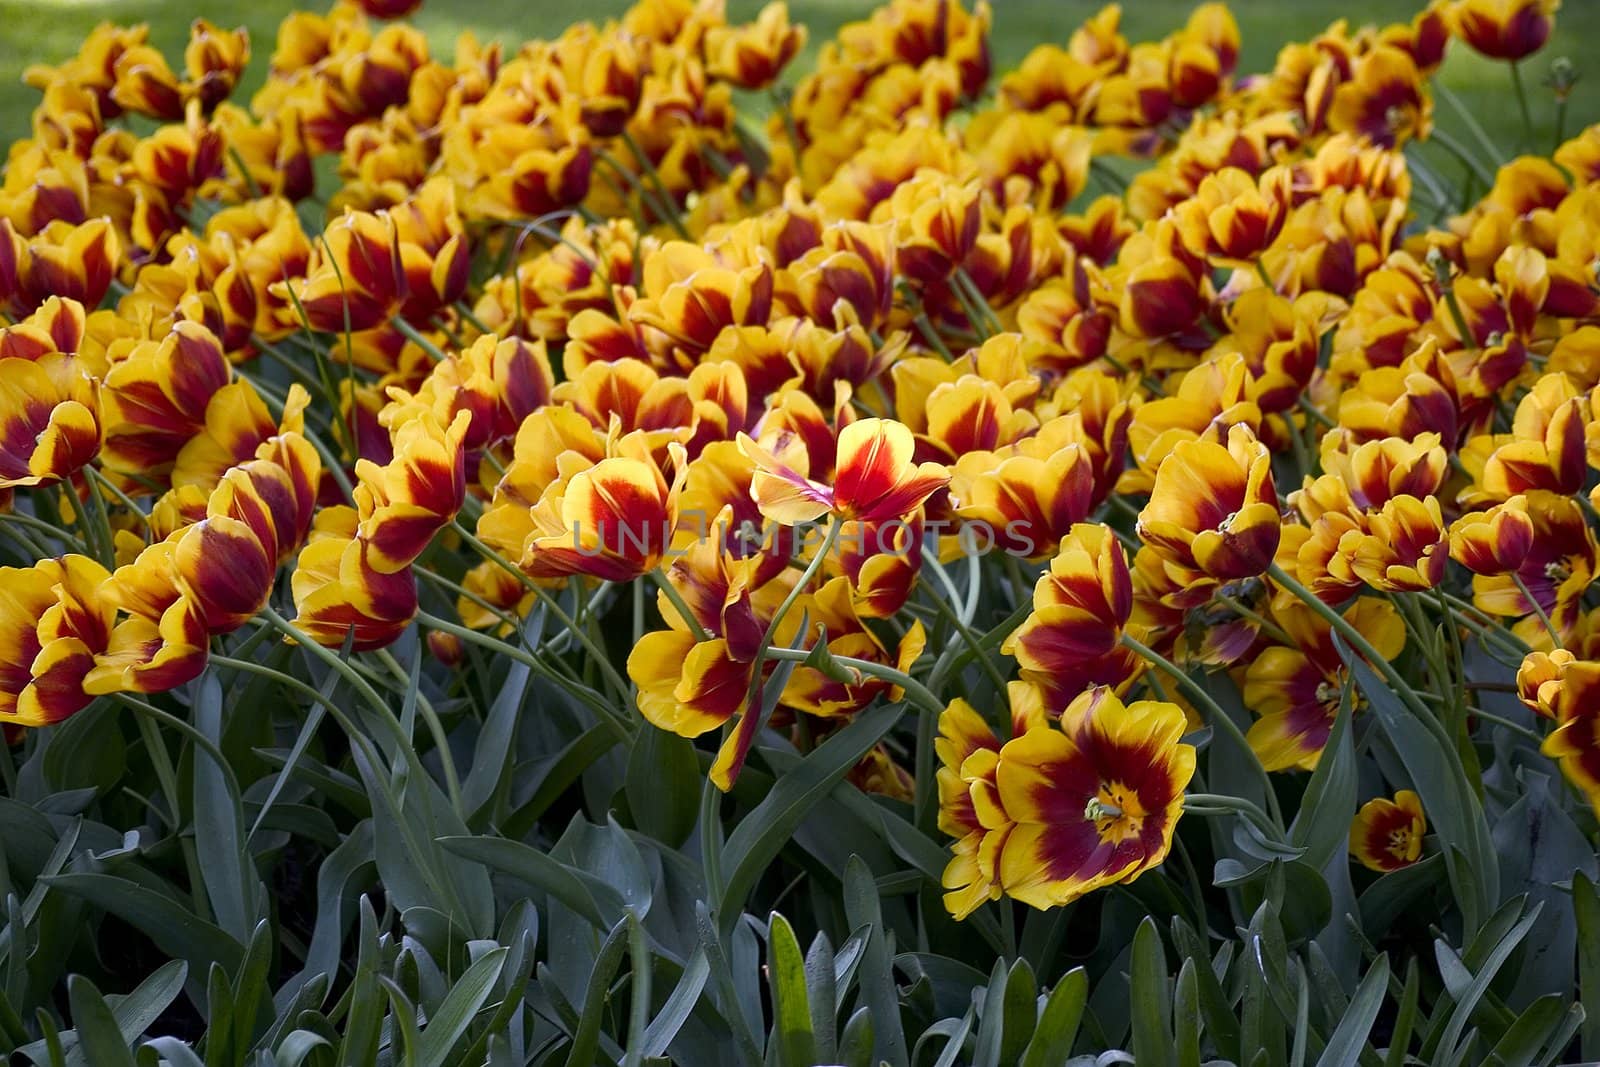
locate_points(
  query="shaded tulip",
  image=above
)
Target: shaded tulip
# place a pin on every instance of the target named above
(1386, 835)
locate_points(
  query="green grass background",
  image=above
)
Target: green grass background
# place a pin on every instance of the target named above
(48, 30)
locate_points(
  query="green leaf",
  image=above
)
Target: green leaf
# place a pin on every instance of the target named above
(791, 1006)
(1020, 1006)
(1524, 1038)
(822, 991)
(364, 1018)
(175, 929)
(586, 1038)
(1480, 981)
(1150, 1006)
(98, 1034)
(1349, 1038)
(1215, 1006)
(1447, 795)
(1322, 825)
(986, 1051)
(402, 1025)
(1586, 902)
(135, 1012)
(857, 1041)
(524, 862)
(1406, 1017)
(460, 1006)
(878, 989)
(1186, 1016)
(1058, 1023)
(491, 756)
(761, 835)
(663, 785)
(675, 1012)
(225, 864)
(727, 990)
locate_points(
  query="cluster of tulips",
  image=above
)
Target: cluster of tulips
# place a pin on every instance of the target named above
(616, 308)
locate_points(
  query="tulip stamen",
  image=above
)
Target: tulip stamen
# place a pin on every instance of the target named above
(1097, 809)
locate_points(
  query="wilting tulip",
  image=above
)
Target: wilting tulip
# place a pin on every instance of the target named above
(1386, 835)
(1214, 509)
(1095, 802)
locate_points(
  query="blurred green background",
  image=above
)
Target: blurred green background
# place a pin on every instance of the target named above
(48, 30)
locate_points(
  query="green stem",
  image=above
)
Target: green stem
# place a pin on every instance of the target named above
(1222, 803)
(167, 775)
(915, 691)
(601, 658)
(765, 648)
(441, 740)
(1522, 102)
(1355, 640)
(1459, 150)
(1538, 609)
(678, 604)
(418, 338)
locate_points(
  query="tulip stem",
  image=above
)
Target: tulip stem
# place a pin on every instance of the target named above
(1457, 149)
(670, 591)
(915, 691)
(1522, 100)
(601, 658)
(602, 710)
(764, 649)
(1538, 609)
(1468, 119)
(441, 740)
(1353, 637)
(103, 541)
(418, 338)
(1223, 804)
(167, 775)
(1219, 719)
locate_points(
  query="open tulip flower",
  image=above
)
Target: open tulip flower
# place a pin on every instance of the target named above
(689, 472)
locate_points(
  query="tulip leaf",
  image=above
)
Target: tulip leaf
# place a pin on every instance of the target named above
(460, 1006)
(1150, 999)
(225, 864)
(1586, 903)
(99, 1037)
(496, 743)
(1349, 1038)
(1329, 803)
(1058, 1023)
(175, 929)
(1448, 799)
(584, 896)
(761, 835)
(663, 785)
(793, 1037)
